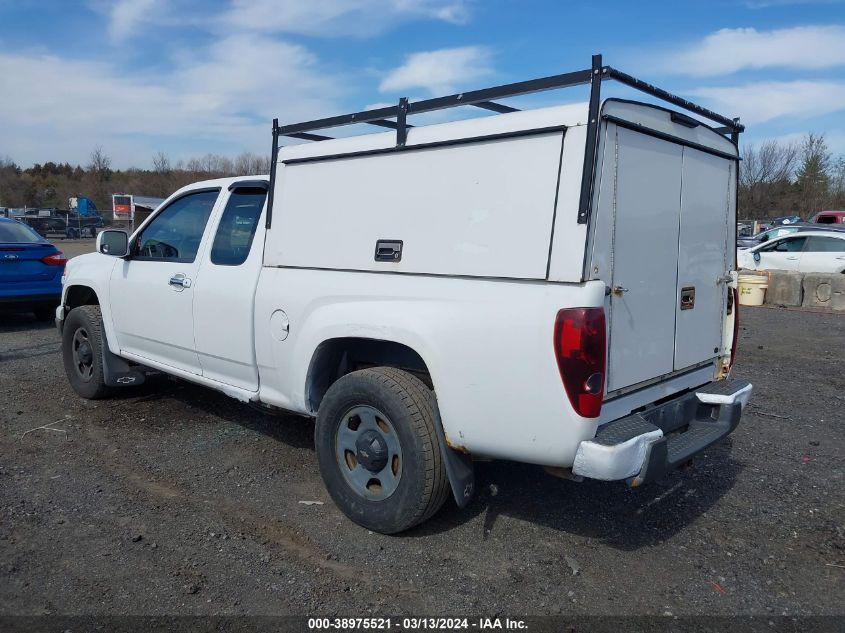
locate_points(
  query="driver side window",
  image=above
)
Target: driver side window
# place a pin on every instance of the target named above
(175, 233)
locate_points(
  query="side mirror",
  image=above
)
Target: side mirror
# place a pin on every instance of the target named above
(764, 237)
(757, 258)
(114, 243)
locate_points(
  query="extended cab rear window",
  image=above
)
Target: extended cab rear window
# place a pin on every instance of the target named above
(237, 227)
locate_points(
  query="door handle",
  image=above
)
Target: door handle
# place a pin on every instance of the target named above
(792, 258)
(180, 281)
(619, 290)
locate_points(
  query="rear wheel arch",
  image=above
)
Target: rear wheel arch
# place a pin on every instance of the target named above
(336, 357)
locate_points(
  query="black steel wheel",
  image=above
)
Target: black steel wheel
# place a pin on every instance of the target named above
(83, 354)
(368, 452)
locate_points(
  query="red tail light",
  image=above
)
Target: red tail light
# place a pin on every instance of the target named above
(735, 307)
(56, 259)
(581, 352)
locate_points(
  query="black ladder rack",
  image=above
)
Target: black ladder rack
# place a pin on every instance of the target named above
(395, 117)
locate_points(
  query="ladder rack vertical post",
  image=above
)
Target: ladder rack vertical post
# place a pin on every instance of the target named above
(402, 122)
(274, 158)
(592, 141)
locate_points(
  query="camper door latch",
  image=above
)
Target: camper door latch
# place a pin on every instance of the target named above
(688, 298)
(388, 251)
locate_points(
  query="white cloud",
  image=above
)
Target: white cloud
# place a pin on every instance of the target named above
(223, 98)
(767, 4)
(763, 101)
(440, 71)
(358, 18)
(730, 50)
(126, 15)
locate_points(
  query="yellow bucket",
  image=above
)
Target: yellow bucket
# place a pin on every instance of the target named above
(752, 289)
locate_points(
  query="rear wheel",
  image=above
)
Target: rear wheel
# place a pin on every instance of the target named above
(378, 449)
(82, 352)
(72, 234)
(92, 231)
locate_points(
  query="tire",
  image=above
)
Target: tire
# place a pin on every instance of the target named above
(72, 234)
(92, 231)
(404, 410)
(82, 352)
(45, 312)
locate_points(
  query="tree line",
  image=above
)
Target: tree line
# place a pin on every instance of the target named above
(49, 185)
(776, 178)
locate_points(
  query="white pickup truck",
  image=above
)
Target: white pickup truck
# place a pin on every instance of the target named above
(554, 286)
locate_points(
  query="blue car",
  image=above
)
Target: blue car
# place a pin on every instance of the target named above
(31, 270)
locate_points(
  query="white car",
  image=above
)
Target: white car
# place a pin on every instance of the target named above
(529, 286)
(805, 252)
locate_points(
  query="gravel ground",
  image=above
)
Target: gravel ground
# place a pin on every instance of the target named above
(72, 248)
(173, 499)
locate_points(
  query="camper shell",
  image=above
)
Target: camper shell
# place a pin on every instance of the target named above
(630, 194)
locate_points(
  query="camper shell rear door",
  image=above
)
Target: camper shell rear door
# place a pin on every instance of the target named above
(663, 221)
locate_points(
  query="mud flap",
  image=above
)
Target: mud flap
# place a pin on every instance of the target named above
(459, 467)
(116, 371)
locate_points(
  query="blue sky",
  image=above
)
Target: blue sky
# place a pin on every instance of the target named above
(184, 77)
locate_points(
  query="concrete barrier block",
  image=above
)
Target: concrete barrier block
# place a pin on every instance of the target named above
(785, 288)
(824, 290)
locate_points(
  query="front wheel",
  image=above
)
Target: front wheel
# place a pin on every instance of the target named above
(82, 352)
(378, 449)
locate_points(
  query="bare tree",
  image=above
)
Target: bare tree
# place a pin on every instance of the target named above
(161, 163)
(100, 163)
(247, 164)
(211, 164)
(837, 181)
(763, 172)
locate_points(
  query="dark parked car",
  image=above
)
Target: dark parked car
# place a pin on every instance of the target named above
(31, 270)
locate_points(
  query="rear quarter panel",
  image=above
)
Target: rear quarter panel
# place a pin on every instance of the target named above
(487, 344)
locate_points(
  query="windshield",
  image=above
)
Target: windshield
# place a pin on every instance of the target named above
(17, 233)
